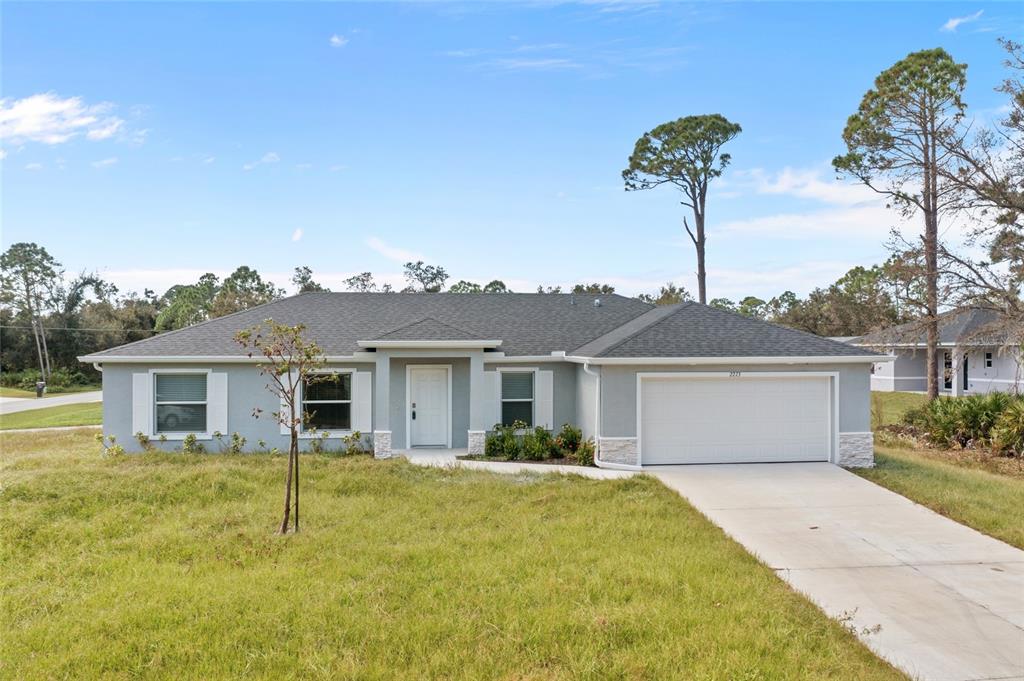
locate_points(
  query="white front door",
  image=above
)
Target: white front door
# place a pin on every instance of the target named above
(428, 406)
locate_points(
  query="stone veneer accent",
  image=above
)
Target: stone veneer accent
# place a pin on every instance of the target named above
(856, 450)
(382, 444)
(617, 450)
(476, 441)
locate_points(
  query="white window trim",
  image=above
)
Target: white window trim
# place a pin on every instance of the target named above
(988, 360)
(532, 400)
(332, 434)
(180, 435)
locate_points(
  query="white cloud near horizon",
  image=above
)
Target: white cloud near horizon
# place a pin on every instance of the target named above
(267, 158)
(399, 255)
(338, 40)
(49, 119)
(104, 163)
(955, 22)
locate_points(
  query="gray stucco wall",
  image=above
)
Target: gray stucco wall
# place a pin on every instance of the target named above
(586, 401)
(563, 389)
(246, 391)
(618, 393)
(460, 399)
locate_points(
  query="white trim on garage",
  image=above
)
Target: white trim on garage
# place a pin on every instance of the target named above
(740, 375)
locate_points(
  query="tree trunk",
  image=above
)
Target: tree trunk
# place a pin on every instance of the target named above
(296, 486)
(702, 287)
(288, 483)
(931, 257)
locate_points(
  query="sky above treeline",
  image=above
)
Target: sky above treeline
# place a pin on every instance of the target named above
(154, 142)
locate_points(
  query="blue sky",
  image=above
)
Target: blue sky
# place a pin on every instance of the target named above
(154, 142)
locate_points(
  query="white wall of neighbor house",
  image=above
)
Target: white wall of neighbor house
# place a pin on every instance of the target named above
(989, 369)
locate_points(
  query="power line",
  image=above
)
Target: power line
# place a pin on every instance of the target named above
(83, 329)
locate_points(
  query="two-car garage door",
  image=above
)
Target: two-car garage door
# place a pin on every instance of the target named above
(734, 419)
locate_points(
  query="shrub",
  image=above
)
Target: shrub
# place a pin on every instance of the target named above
(235, 446)
(109, 445)
(569, 438)
(536, 445)
(191, 445)
(584, 453)
(959, 421)
(319, 443)
(503, 443)
(143, 441)
(1008, 433)
(353, 443)
(59, 378)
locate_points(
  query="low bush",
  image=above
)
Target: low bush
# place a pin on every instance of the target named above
(974, 421)
(584, 453)
(569, 438)
(59, 378)
(518, 443)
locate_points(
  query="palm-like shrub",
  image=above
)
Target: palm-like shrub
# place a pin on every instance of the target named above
(960, 421)
(1008, 433)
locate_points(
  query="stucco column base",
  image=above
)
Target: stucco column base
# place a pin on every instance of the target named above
(382, 444)
(477, 438)
(618, 450)
(856, 450)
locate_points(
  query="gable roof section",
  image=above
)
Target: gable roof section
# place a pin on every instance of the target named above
(694, 330)
(526, 323)
(963, 326)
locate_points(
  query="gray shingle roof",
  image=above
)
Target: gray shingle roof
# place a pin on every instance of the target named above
(695, 330)
(963, 326)
(526, 323)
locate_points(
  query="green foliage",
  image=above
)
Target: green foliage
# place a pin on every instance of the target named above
(318, 444)
(59, 378)
(191, 445)
(235, 445)
(425, 278)
(303, 281)
(1008, 433)
(669, 294)
(569, 438)
(594, 289)
(537, 445)
(463, 286)
(352, 443)
(584, 454)
(144, 441)
(685, 152)
(109, 446)
(960, 421)
(364, 283)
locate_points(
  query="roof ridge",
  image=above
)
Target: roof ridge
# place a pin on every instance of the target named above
(420, 321)
(675, 309)
(658, 314)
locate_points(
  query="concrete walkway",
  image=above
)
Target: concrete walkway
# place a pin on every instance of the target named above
(949, 600)
(11, 405)
(448, 457)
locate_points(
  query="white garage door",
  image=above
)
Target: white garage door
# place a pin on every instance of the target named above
(734, 419)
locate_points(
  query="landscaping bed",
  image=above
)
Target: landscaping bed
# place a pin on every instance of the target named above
(167, 566)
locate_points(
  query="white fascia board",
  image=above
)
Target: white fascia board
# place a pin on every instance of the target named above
(204, 359)
(691, 361)
(429, 344)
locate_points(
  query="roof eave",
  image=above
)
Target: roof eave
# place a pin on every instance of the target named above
(397, 344)
(690, 361)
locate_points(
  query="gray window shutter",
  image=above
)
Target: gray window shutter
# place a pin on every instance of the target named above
(142, 403)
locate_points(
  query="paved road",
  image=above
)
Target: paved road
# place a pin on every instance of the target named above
(10, 405)
(950, 600)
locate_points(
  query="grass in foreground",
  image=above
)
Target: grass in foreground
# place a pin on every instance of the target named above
(888, 408)
(990, 503)
(166, 566)
(88, 414)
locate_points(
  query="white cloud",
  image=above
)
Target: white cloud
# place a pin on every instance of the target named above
(338, 40)
(297, 234)
(303, 166)
(49, 119)
(399, 255)
(34, 166)
(3, 154)
(209, 159)
(269, 157)
(104, 163)
(549, 64)
(955, 22)
(808, 183)
(336, 167)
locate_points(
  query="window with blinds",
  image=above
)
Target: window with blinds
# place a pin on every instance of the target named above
(517, 397)
(328, 404)
(180, 403)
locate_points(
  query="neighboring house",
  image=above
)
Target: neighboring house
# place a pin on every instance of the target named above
(973, 355)
(652, 385)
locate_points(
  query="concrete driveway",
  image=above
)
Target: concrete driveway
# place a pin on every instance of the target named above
(949, 600)
(10, 405)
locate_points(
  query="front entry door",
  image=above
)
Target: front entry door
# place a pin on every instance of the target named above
(428, 406)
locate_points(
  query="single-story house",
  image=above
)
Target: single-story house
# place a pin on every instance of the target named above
(974, 355)
(677, 384)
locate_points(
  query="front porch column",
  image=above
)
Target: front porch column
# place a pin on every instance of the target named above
(382, 407)
(477, 404)
(958, 373)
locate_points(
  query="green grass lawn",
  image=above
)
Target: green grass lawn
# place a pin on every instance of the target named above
(990, 503)
(88, 414)
(18, 392)
(888, 408)
(166, 566)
